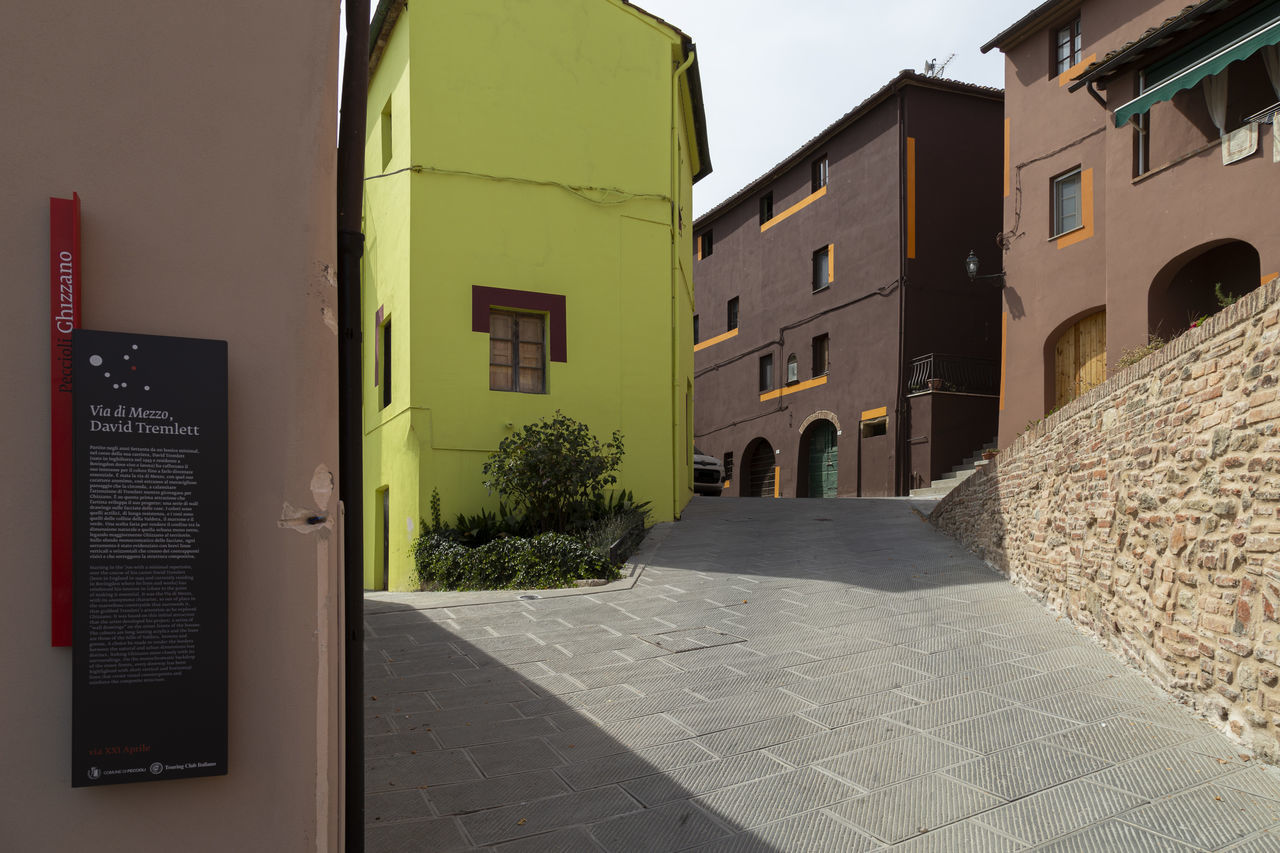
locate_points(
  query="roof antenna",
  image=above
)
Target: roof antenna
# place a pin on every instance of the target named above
(933, 69)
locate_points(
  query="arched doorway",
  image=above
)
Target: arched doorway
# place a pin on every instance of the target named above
(1199, 283)
(1079, 357)
(821, 464)
(758, 479)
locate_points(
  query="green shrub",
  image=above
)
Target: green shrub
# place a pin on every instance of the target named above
(542, 562)
(553, 473)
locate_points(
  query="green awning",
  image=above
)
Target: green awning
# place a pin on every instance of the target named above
(1208, 56)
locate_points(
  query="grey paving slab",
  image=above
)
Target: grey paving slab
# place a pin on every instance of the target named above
(1113, 836)
(392, 806)
(531, 818)
(1161, 773)
(1002, 729)
(776, 797)
(949, 711)
(500, 759)
(1211, 816)
(575, 839)
(896, 761)
(1118, 739)
(1059, 811)
(734, 711)
(1266, 842)
(846, 685)
(811, 832)
(441, 834)
(824, 745)
(783, 676)
(672, 826)
(410, 771)
(917, 806)
(1025, 769)
(842, 713)
(759, 735)
(968, 837)
(633, 764)
(702, 778)
(466, 797)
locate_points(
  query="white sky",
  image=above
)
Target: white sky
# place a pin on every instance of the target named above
(776, 72)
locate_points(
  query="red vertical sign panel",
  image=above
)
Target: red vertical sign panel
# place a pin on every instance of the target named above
(64, 316)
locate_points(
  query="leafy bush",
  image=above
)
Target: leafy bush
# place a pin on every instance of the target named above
(553, 473)
(542, 562)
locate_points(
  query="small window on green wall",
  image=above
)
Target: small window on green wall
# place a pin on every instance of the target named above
(386, 135)
(386, 363)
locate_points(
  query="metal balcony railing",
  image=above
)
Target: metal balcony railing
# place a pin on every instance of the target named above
(941, 372)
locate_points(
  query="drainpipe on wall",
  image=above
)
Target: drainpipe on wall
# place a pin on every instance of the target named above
(350, 205)
(899, 430)
(677, 389)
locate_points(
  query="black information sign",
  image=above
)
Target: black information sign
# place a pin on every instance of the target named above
(150, 586)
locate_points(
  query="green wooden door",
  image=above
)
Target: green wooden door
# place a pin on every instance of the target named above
(822, 460)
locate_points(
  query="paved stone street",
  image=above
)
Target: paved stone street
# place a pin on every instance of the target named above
(785, 675)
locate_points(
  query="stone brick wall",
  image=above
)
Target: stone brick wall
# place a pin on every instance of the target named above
(1146, 510)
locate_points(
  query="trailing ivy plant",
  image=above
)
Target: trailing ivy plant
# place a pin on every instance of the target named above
(553, 473)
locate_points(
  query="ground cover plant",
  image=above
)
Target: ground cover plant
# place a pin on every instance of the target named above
(557, 521)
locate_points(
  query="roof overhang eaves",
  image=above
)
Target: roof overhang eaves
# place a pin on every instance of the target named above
(905, 78)
(380, 26)
(1154, 39)
(1029, 23)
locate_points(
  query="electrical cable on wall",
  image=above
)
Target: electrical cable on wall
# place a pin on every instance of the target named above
(579, 191)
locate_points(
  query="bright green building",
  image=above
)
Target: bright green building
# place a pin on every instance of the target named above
(528, 248)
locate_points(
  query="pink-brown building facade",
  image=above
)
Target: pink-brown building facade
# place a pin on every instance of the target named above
(831, 290)
(1141, 176)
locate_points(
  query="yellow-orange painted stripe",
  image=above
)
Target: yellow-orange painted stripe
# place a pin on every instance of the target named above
(831, 262)
(911, 196)
(777, 481)
(700, 241)
(717, 339)
(791, 389)
(795, 208)
(1004, 349)
(1070, 74)
(1086, 212)
(875, 413)
(1270, 277)
(1007, 130)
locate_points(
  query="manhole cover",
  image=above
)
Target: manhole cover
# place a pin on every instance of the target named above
(528, 596)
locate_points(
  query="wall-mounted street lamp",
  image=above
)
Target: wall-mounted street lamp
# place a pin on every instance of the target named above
(971, 267)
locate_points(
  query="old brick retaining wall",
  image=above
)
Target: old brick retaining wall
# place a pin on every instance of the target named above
(1146, 510)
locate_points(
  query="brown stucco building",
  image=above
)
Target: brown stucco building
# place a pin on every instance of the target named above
(830, 290)
(1141, 168)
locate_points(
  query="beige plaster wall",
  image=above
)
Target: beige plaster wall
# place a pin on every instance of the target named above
(1147, 511)
(200, 137)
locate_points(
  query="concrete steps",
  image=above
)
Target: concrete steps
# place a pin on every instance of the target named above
(966, 469)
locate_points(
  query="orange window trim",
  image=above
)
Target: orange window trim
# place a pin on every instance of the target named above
(795, 208)
(881, 412)
(1086, 212)
(911, 196)
(1007, 130)
(713, 341)
(791, 389)
(1071, 73)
